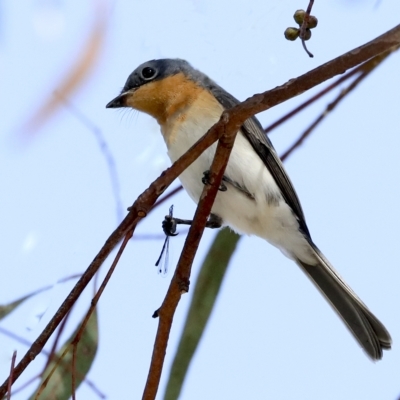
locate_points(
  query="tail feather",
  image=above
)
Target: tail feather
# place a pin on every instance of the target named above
(366, 328)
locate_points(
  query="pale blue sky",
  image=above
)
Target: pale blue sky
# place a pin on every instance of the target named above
(278, 339)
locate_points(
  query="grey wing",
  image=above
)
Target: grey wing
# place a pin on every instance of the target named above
(260, 142)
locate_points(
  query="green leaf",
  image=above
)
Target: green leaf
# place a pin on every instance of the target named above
(205, 294)
(59, 386)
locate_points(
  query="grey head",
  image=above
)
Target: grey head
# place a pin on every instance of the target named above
(155, 70)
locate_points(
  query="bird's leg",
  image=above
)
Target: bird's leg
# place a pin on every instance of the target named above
(169, 224)
(206, 181)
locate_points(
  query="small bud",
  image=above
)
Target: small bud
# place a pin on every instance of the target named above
(299, 16)
(312, 22)
(292, 33)
(307, 34)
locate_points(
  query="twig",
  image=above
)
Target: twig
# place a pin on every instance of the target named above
(366, 68)
(304, 27)
(93, 305)
(76, 339)
(314, 98)
(56, 340)
(13, 358)
(73, 376)
(232, 120)
(47, 354)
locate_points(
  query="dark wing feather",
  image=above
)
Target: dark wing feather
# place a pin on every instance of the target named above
(260, 142)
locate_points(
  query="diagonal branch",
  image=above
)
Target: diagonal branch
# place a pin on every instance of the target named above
(365, 70)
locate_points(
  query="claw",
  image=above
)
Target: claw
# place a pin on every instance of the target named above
(169, 226)
(206, 181)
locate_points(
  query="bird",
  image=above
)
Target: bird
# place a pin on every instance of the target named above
(256, 196)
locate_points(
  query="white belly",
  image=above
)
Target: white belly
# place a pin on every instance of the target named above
(272, 220)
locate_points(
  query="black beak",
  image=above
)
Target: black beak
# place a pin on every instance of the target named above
(118, 102)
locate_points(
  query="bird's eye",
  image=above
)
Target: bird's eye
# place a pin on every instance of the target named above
(148, 73)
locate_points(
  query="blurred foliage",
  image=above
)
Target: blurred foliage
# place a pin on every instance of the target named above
(77, 74)
(57, 377)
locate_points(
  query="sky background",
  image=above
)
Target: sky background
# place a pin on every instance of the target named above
(271, 335)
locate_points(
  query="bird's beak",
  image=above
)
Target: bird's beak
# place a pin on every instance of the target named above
(118, 102)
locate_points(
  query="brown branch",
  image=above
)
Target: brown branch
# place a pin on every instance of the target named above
(339, 65)
(13, 358)
(73, 375)
(56, 340)
(365, 69)
(231, 120)
(311, 100)
(47, 354)
(75, 341)
(93, 305)
(180, 280)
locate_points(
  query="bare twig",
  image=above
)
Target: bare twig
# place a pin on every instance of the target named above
(73, 375)
(13, 358)
(314, 98)
(304, 27)
(56, 340)
(47, 354)
(230, 123)
(76, 339)
(365, 69)
(93, 305)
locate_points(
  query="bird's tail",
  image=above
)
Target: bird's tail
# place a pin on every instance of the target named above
(366, 328)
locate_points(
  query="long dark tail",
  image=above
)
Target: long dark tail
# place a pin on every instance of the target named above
(366, 328)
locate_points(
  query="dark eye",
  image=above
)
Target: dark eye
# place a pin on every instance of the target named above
(148, 73)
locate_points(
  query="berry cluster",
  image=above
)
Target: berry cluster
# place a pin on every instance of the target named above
(293, 33)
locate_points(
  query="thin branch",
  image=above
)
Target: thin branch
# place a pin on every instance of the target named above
(339, 65)
(311, 100)
(27, 343)
(75, 341)
(366, 68)
(229, 123)
(304, 27)
(73, 375)
(56, 340)
(13, 358)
